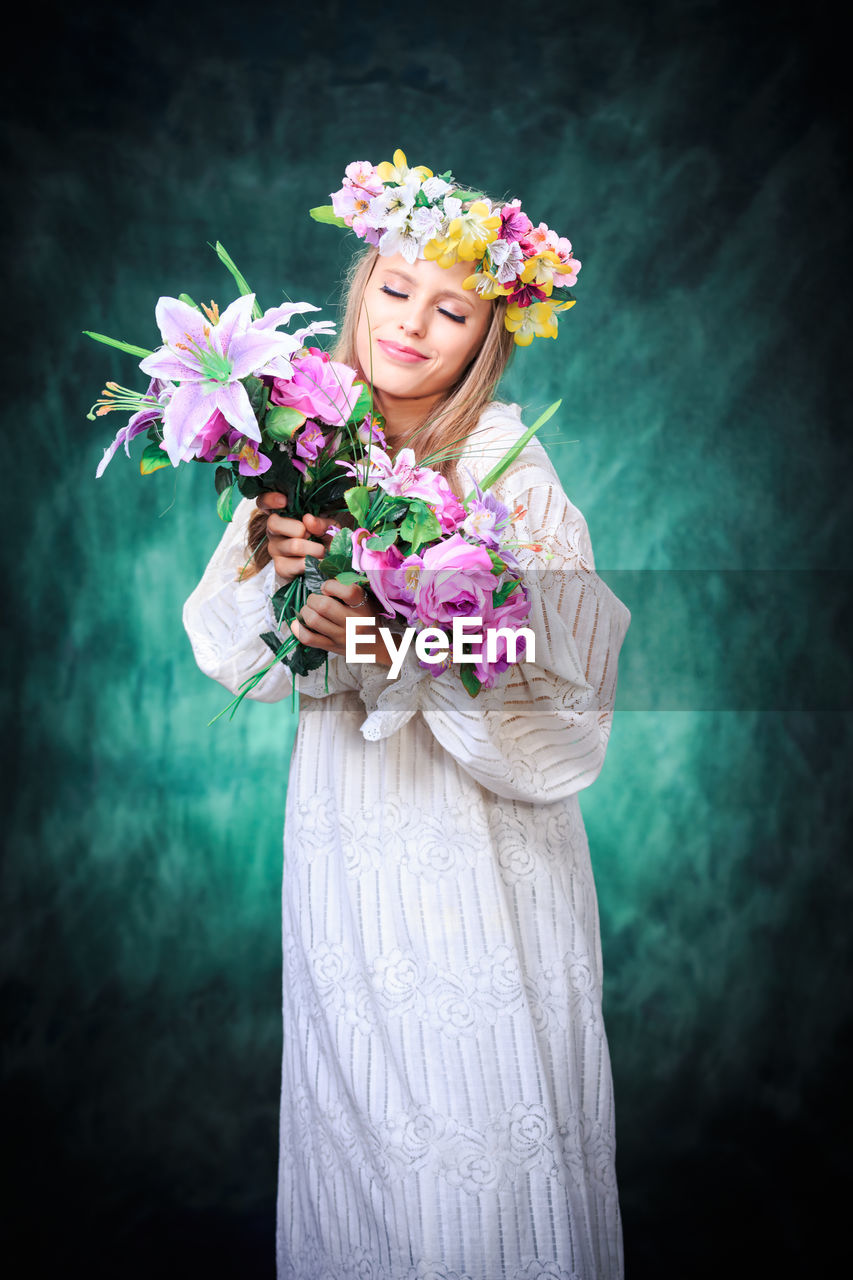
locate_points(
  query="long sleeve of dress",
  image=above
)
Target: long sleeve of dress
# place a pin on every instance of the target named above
(225, 617)
(541, 733)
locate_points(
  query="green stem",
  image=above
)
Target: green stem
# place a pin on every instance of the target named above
(512, 453)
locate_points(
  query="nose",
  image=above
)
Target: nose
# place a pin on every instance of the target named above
(414, 322)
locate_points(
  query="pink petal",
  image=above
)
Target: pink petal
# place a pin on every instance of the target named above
(233, 403)
(177, 320)
(235, 320)
(170, 367)
(254, 350)
(281, 315)
(184, 416)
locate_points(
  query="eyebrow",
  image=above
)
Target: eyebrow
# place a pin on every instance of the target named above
(443, 293)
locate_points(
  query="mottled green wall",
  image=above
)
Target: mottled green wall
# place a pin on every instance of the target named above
(694, 154)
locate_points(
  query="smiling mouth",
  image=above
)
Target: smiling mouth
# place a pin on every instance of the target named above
(396, 351)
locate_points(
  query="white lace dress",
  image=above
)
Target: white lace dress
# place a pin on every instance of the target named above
(447, 1101)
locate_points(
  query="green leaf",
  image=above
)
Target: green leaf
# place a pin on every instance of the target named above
(325, 213)
(503, 593)
(225, 503)
(381, 541)
(470, 681)
(282, 422)
(185, 297)
(363, 404)
(249, 486)
(350, 576)
(512, 453)
(498, 565)
(313, 575)
(341, 544)
(304, 659)
(271, 639)
(287, 601)
(153, 459)
(257, 393)
(358, 500)
(239, 279)
(121, 346)
(223, 479)
(333, 566)
(467, 195)
(420, 525)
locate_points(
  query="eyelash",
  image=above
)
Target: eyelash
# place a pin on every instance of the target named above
(392, 293)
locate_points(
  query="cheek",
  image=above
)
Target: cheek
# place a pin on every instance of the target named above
(466, 348)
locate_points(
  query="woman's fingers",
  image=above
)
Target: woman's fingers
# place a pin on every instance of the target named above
(288, 545)
(322, 620)
(268, 502)
(351, 594)
(290, 540)
(317, 526)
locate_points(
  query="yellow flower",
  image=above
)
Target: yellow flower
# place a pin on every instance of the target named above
(542, 269)
(536, 321)
(467, 236)
(442, 251)
(399, 170)
(473, 230)
(486, 286)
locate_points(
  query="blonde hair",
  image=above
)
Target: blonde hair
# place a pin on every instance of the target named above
(438, 441)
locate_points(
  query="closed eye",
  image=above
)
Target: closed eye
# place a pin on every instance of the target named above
(395, 293)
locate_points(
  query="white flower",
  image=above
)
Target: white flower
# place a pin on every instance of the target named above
(435, 188)
(393, 207)
(427, 223)
(452, 207)
(507, 260)
(400, 240)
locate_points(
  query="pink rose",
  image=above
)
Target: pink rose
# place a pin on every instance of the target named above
(512, 614)
(387, 574)
(320, 388)
(457, 580)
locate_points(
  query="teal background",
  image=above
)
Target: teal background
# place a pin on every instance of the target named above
(696, 154)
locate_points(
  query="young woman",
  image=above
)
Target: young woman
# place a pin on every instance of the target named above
(446, 1104)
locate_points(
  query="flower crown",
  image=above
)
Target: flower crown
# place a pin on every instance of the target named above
(419, 214)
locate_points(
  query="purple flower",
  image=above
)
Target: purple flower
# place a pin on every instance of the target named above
(515, 225)
(485, 519)
(252, 461)
(369, 433)
(512, 614)
(311, 440)
(526, 294)
(160, 392)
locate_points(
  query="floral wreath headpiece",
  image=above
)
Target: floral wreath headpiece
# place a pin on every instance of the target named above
(419, 214)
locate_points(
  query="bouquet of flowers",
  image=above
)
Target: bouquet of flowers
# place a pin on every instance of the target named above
(275, 414)
(429, 561)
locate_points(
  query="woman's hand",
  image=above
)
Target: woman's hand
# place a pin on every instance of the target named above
(323, 618)
(290, 541)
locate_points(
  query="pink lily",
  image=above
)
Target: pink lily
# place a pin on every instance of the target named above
(208, 355)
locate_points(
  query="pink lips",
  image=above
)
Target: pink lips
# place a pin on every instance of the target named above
(407, 355)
